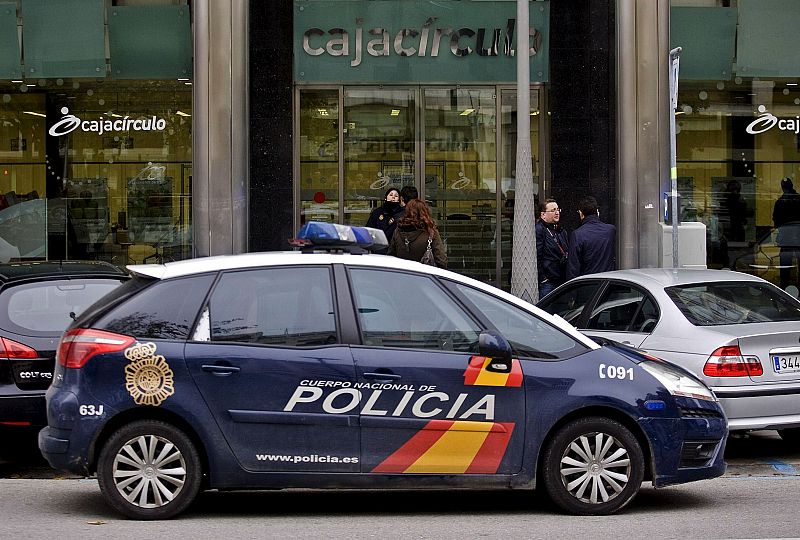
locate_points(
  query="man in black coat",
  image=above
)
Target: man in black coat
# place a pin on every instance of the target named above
(786, 211)
(592, 248)
(551, 248)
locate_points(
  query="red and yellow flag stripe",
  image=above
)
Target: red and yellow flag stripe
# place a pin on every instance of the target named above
(477, 374)
(451, 447)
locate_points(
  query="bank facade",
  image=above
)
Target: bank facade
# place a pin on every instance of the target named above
(166, 129)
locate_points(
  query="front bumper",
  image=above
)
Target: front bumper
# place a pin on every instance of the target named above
(686, 449)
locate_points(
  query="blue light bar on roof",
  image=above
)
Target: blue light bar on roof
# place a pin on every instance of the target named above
(321, 234)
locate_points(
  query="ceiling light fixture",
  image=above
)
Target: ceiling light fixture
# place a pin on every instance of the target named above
(35, 113)
(181, 113)
(395, 112)
(467, 112)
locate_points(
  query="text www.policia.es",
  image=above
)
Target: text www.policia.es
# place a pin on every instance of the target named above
(314, 458)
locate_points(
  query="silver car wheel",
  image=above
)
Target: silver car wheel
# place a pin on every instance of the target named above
(595, 468)
(149, 471)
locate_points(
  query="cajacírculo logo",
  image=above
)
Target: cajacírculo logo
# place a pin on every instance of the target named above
(70, 123)
(766, 121)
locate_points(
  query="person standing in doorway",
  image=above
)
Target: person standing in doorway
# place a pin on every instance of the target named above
(593, 242)
(551, 248)
(786, 217)
(386, 216)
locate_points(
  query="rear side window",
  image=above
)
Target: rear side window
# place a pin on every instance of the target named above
(290, 307)
(713, 304)
(623, 308)
(569, 303)
(48, 307)
(164, 310)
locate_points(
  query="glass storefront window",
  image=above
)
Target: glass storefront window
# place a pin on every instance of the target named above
(452, 144)
(319, 156)
(731, 163)
(379, 147)
(100, 167)
(460, 176)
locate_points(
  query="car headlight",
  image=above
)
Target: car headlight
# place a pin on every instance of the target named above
(677, 382)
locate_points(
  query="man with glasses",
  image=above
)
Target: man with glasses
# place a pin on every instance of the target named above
(551, 247)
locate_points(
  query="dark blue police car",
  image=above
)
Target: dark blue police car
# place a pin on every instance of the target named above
(325, 369)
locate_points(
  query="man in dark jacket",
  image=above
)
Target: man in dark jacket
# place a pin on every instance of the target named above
(786, 211)
(551, 248)
(593, 242)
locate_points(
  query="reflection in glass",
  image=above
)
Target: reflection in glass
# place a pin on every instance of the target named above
(730, 179)
(319, 155)
(122, 194)
(379, 135)
(460, 172)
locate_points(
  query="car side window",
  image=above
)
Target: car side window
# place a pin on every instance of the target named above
(647, 318)
(617, 308)
(291, 307)
(529, 335)
(569, 303)
(411, 311)
(164, 310)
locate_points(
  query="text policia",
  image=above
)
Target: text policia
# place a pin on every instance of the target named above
(342, 397)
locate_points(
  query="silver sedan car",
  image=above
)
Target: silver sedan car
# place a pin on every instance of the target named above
(738, 333)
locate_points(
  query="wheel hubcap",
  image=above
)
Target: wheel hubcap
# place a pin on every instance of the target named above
(149, 471)
(595, 468)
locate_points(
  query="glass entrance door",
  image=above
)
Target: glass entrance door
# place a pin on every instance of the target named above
(460, 172)
(379, 147)
(456, 145)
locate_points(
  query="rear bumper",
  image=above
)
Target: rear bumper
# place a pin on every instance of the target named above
(762, 408)
(686, 449)
(23, 410)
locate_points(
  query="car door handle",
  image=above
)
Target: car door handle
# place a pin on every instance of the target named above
(219, 370)
(382, 376)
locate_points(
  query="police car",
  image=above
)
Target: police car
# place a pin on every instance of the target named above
(328, 367)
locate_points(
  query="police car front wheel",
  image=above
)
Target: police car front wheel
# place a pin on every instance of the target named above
(149, 470)
(593, 466)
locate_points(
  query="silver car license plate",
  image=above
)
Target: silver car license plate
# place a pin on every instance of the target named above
(786, 364)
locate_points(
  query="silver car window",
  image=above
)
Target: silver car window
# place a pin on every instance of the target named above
(727, 302)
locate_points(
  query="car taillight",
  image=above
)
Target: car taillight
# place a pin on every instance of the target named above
(728, 362)
(79, 345)
(16, 351)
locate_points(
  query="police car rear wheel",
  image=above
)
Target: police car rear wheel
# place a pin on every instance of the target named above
(149, 470)
(593, 466)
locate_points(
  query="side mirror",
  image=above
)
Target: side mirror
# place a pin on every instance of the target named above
(493, 345)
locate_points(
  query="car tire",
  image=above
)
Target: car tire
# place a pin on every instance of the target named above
(790, 435)
(149, 470)
(575, 475)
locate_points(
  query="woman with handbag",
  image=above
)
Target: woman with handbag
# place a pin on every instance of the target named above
(417, 237)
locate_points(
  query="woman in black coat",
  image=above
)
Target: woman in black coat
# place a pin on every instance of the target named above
(386, 216)
(410, 241)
